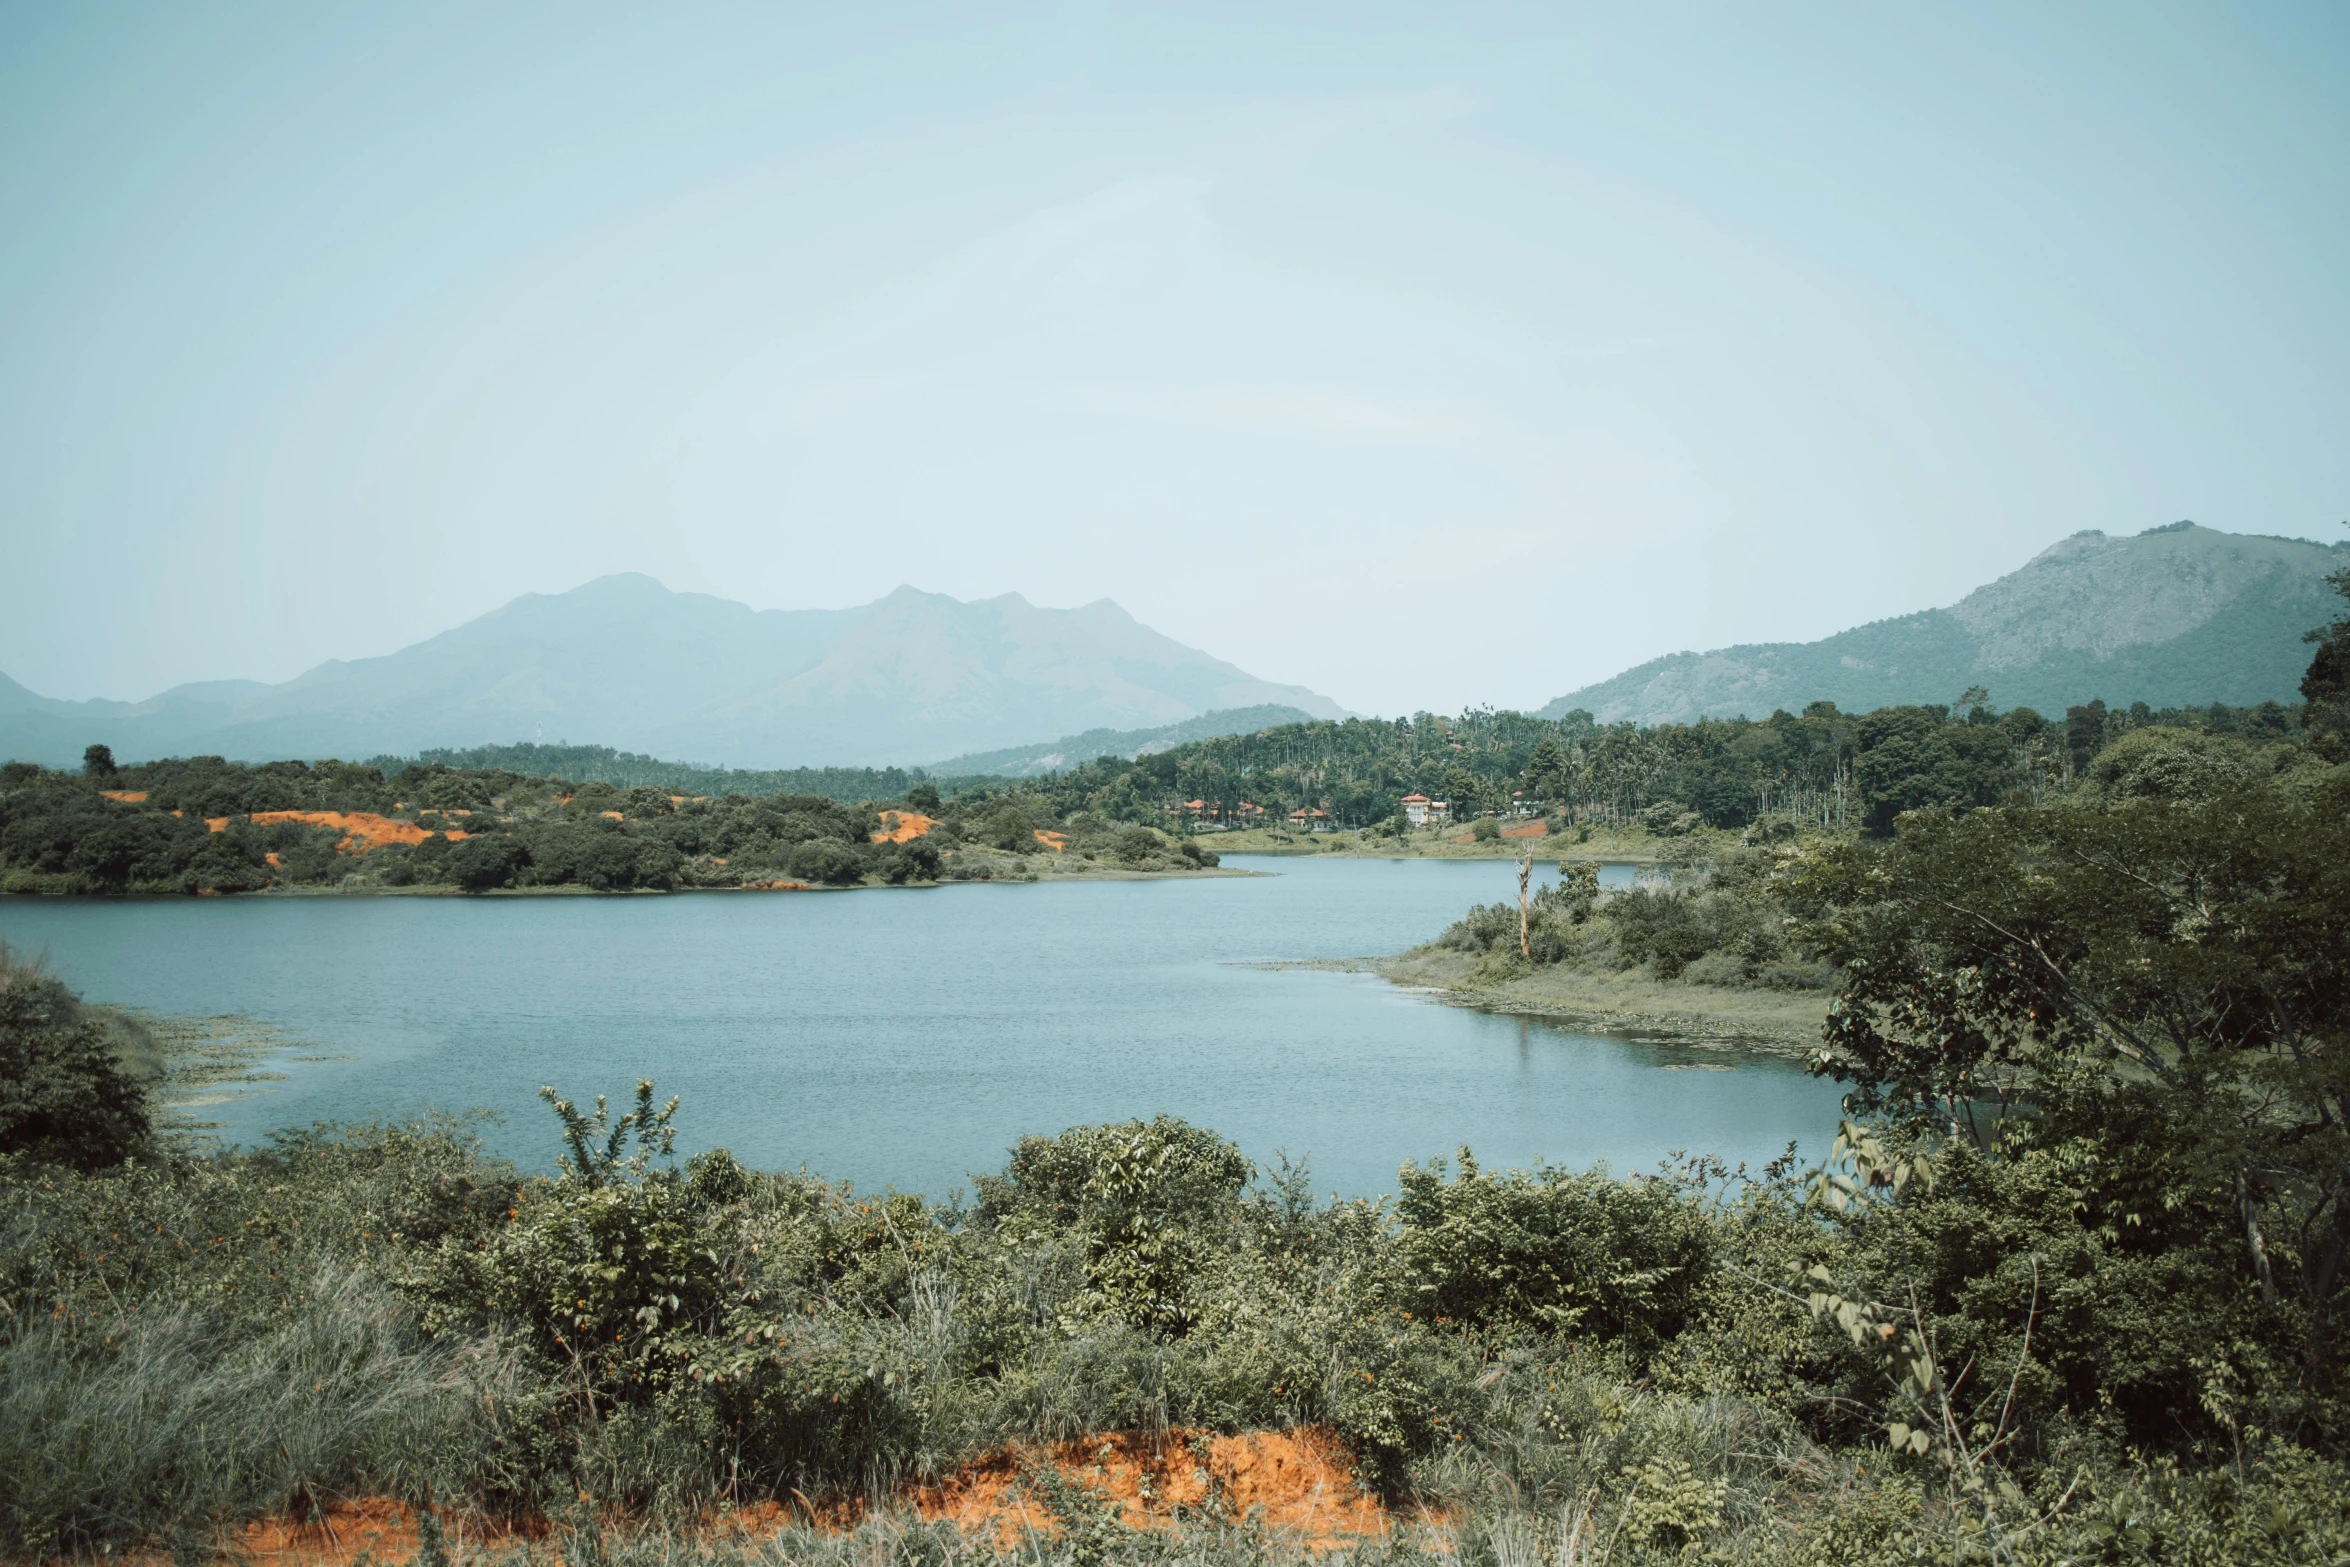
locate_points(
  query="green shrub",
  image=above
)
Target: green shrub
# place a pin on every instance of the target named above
(64, 1098)
(1618, 1262)
(1149, 1200)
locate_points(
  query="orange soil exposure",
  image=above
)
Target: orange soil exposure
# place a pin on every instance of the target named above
(1055, 841)
(775, 886)
(361, 830)
(128, 796)
(272, 858)
(902, 826)
(1297, 1483)
(612, 816)
(1530, 830)
(369, 1527)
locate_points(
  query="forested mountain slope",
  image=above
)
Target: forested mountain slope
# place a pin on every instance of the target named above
(625, 662)
(2175, 617)
(1035, 761)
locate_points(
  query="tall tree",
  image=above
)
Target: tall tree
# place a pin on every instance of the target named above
(2326, 684)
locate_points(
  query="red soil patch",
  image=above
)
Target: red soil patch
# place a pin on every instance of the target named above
(128, 796)
(902, 826)
(361, 830)
(1530, 830)
(612, 816)
(1297, 1483)
(1055, 841)
(369, 1526)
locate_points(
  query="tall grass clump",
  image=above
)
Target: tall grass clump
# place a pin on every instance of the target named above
(146, 1418)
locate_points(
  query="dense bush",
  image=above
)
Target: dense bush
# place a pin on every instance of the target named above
(1553, 1253)
(65, 1097)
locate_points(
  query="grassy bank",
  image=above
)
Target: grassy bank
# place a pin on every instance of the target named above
(1627, 1002)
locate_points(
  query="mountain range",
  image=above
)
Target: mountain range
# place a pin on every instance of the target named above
(2179, 615)
(623, 661)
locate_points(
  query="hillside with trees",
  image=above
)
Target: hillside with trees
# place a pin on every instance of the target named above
(206, 825)
(1822, 766)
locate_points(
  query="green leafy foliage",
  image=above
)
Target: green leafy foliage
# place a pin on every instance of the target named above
(1552, 1252)
(65, 1098)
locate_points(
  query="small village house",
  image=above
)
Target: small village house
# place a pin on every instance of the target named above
(1421, 811)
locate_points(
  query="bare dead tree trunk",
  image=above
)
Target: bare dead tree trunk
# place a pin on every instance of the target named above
(1525, 869)
(2254, 1240)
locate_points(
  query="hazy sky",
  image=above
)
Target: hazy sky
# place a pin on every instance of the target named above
(1425, 355)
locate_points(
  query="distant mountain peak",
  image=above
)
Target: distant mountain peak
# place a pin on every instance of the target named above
(2180, 614)
(627, 662)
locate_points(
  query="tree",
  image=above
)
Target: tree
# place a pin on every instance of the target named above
(2325, 686)
(98, 762)
(2084, 732)
(1912, 757)
(2152, 974)
(1464, 791)
(1546, 770)
(482, 863)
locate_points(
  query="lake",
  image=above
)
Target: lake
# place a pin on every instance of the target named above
(906, 1037)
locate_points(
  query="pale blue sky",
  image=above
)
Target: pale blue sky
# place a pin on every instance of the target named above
(1424, 355)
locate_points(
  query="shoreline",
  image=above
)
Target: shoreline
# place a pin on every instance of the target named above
(572, 890)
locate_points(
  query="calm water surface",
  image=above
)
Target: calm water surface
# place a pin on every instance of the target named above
(907, 1037)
